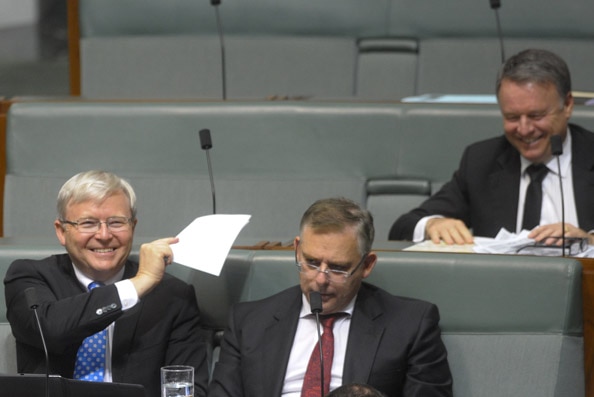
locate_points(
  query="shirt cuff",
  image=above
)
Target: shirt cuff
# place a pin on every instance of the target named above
(127, 293)
(419, 232)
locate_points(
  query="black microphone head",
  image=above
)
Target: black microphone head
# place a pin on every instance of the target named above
(556, 145)
(31, 296)
(315, 301)
(495, 4)
(205, 140)
(215, 2)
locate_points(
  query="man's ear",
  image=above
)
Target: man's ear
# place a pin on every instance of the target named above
(369, 264)
(60, 232)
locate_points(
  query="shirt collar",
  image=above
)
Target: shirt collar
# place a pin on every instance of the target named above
(85, 281)
(306, 308)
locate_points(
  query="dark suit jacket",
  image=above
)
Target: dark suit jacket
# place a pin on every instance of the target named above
(161, 329)
(484, 191)
(394, 344)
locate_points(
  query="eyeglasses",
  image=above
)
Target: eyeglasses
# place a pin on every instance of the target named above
(573, 247)
(115, 224)
(333, 275)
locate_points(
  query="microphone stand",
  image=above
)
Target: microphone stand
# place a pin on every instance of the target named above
(315, 301)
(206, 144)
(216, 3)
(557, 150)
(562, 207)
(32, 302)
(495, 4)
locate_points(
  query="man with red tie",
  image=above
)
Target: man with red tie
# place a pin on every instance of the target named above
(370, 337)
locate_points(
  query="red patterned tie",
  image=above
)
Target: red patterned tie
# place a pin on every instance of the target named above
(312, 381)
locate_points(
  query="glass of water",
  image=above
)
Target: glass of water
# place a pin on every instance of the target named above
(177, 381)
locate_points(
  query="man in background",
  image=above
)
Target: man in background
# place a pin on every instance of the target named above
(489, 191)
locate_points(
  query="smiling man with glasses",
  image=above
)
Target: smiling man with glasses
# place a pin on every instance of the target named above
(135, 317)
(391, 343)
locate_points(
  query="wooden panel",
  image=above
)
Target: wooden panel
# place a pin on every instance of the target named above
(4, 105)
(74, 47)
(588, 305)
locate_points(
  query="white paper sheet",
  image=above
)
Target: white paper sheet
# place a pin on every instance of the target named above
(204, 244)
(504, 243)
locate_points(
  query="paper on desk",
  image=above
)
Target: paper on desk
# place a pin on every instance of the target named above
(204, 244)
(430, 246)
(504, 243)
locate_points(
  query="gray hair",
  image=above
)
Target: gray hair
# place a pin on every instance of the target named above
(537, 66)
(93, 185)
(337, 214)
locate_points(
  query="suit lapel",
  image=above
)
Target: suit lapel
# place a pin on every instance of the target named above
(583, 175)
(366, 325)
(279, 335)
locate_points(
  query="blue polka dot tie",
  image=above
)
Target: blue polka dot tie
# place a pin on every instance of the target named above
(90, 359)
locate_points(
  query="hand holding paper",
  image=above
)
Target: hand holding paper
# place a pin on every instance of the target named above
(204, 244)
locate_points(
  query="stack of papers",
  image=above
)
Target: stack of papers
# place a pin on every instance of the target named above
(504, 243)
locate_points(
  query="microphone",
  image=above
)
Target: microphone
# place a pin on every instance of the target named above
(31, 296)
(206, 144)
(216, 3)
(315, 301)
(495, 5)
(557, 150)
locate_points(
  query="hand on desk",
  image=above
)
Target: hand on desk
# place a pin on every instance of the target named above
(448, 230)
(550, 234)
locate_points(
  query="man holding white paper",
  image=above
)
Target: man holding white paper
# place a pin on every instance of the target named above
(152, 319)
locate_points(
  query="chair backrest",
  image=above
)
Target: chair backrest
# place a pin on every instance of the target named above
(337, 48)
(10, 250)
(270, 159)
(512, 324)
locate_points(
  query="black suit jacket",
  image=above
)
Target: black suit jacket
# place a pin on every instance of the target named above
(163, 328)
(484, 191)
(394, 344)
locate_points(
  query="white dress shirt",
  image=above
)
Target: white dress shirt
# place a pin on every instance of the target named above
(128, 298)
(305, 340)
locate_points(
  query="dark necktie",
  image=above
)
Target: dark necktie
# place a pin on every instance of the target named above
(312, 381)
(90, 358)
(533, 203)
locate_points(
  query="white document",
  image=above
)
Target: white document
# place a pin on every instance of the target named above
(504, 243)
(204, 244)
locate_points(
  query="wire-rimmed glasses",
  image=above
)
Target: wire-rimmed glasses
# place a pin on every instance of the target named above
(333, 275)
(114, 224)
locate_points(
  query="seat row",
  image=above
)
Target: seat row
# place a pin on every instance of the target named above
(386, 49)
(269, 159)
(512, 325)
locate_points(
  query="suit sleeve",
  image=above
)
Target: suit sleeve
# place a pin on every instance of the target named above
(66, 320)
(428, 373)
(451, 201)
(227, 380)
